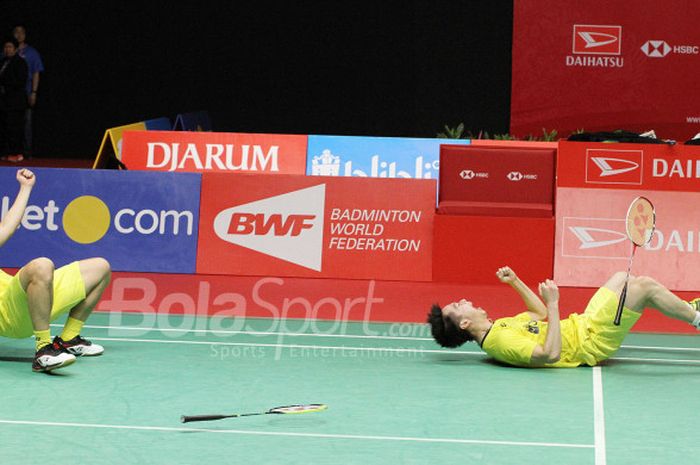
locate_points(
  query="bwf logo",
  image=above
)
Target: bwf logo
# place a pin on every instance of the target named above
(614, 166)
(287, 226)
(597, 40)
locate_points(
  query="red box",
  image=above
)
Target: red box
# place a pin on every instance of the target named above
(469, 249)
(497, 180)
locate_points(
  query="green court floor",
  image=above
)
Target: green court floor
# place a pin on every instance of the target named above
(394, 397)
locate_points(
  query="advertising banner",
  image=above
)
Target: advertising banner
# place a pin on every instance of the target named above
(601, 66)
(591, 243)
(111, 146)
(375, 157)
(213, 305)
(138, 221)
(214, 151)
(316, 227)
(657, 167)
(194, 121)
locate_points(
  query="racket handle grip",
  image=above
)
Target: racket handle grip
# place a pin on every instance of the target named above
(620, 306)
(189, 418)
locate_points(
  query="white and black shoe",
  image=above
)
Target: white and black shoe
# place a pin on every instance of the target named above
(51, 357)
(79, 346)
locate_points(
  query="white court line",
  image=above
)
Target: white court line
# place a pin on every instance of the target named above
(669, 349)
(291, 434)
(351, 348)
(339, 336)
(285, 346)
(598, 417)
(252, 333)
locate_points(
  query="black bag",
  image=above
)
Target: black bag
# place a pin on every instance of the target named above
(619, 136)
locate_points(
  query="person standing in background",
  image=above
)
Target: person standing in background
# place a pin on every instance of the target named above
(36, 67)
(13, 101)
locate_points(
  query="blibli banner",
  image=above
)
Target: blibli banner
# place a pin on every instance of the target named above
(375, 157)
(139, 221)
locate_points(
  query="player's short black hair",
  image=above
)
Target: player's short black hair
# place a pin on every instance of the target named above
(444, 330)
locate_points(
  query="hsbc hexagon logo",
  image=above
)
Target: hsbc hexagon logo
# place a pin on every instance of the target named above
(611, 166)
(469, 174)
(515, 176)
(597, 40)
(287, 226)
(656, 48)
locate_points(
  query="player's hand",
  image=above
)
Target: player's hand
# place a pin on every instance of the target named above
(25, 177)
(549, 291)
(506, 275)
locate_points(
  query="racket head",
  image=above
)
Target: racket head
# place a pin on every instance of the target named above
(298, 408)
(641, 221)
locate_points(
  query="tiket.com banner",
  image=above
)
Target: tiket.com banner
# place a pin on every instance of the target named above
(375, 157)
(629, 166)
(214, 151)
(145, 222)
(591, 243)
(316, 227)
(601, 65)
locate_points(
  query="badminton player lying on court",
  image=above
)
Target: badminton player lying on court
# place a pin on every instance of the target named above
(38, 294)
(527, 340)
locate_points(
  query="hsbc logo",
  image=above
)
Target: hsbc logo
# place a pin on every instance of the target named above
(661, 48)
(614, 166)
(287, 226)
(469, 174)
(597, 40)
(656, 48)
(516, 176)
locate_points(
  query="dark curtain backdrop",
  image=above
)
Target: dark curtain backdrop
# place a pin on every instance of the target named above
(379, 68)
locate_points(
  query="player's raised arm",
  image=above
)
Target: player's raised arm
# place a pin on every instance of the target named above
(534, 305)
(550, 352)
(11, 220)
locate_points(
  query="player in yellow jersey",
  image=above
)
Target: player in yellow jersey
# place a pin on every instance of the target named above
(537, 337)
(38, 294)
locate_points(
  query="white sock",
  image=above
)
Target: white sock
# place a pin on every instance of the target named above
(696, 321)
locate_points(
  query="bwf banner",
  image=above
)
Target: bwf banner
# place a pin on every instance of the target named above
(322, 227)
(601, 65)
(214, 151)
(591, 241)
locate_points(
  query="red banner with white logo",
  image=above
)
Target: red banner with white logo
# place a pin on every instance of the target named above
(601, 65)
(214, 151)
(316, 226)
(591, 241)
(629, 166)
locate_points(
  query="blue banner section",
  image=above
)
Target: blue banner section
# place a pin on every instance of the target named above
(194, 121)
(377, 157)
(158, 124)
(140, 221)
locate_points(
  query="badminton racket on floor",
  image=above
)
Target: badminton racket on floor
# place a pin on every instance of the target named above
(640, 224)
(284, 410)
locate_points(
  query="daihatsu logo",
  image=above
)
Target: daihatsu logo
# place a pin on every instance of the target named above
(592, 238)
(612, 166)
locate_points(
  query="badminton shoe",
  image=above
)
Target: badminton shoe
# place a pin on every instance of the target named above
(79, 346)
(51, 357)
(695, 305)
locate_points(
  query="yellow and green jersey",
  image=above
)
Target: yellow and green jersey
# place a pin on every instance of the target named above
(586, 339)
